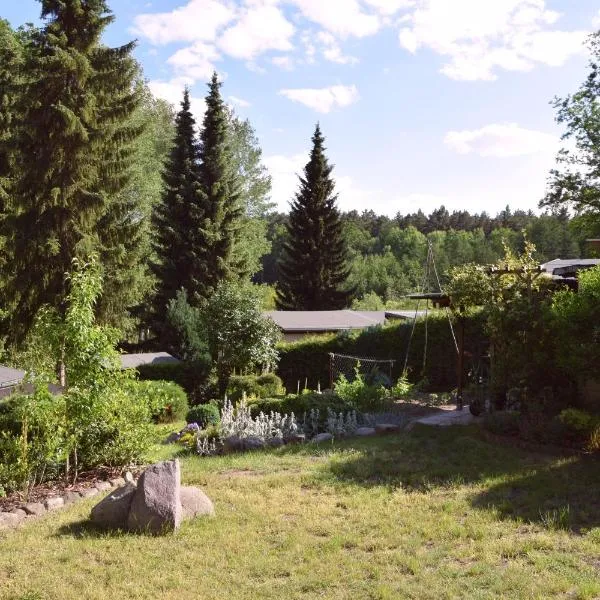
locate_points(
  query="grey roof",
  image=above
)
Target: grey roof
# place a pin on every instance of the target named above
(10, 377)
(325, 320)
(571, 263)
(131, 361)
(404, 314)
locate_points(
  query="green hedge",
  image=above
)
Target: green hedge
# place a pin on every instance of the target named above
(204, 415)
(308, 360)
(167, 401)
(258, 386)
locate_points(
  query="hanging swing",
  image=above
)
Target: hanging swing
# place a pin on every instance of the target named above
(438, 299)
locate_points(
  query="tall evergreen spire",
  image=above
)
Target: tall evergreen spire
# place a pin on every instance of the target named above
(74, 149)
(178, 216)
(220, 230)
(313, 271)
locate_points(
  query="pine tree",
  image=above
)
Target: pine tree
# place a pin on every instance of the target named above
(219, 236)
(313, 271)
(176, 218)
(73, 147)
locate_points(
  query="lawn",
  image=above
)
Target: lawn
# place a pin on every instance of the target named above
(427, 514)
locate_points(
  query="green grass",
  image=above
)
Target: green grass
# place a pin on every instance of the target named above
(428, 514)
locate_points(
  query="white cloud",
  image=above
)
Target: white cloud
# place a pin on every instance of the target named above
(260, 28)
(196, 61)
(332, 51)
(596, 21)
(283, 62)
(390, 7)
(341, 17)
(239, 102)
(502, 141)
(478, 37)
(324, 100)
(172, 91)
(197, 20)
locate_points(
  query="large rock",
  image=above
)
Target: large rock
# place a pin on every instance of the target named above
(156, 505)
(322, 437)
(195, 503)
(365, 431)
(113, 511)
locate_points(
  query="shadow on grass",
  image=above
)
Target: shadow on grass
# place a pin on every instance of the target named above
(86, 529)
(558, 493)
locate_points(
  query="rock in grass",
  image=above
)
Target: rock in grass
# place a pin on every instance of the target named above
(195, 503)
(322, 437)
(366, 431)
(34, 508)
(103, 486)
(113, 511)
(156, 505)
(54, 503)
(9, 520)
(71, 496)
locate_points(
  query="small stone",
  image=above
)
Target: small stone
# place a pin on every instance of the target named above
(387, 428)
(54, 503)
(366, 431)
(253, 443)
(172, 438)
(9, 520)
(71, 496)
(89, 492)
(103, 486)
(322, 437)
(129, 477)
(195, 503)
(34, 508)
(117, 482)
(233, 444)
(276, 442)
(19, 512)
(296, 438)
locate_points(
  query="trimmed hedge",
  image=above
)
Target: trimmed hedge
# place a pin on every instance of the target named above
(166, 400)
(258, 386)
(300, 404)
(204, 415)
(307, 360)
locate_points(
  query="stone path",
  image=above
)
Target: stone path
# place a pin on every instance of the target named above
(448, 415)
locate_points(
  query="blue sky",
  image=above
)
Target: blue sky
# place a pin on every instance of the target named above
(423, 102)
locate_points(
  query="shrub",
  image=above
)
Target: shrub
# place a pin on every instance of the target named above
(579, 429)
(402, 388)
(166, 401)
(360, 395)
(299, 404)
(203, 414)
(257, 386)
(502, 423)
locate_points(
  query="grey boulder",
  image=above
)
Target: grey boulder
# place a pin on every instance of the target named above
(366, 431)
(195, 503)
(322, 437)
(156, 505)
(113, 511)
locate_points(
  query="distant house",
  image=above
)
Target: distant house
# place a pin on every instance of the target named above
(301, 323)
(132, 361)
(10, 379)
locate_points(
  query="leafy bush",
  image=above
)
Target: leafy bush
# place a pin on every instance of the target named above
(258, 386)
(166, 401)
(579, 429)
(359, 394)
(502, 423)
(402, 388)
(299, 404)
(203, 414)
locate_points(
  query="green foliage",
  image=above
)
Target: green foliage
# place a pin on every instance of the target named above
(204, 414)
(301, 404)
(239, 336)
(359, 394)
(402, 388)
(166, 401)
(307, 360)
(313, 271)
(576, 319)
(74, 148)
(258, 386)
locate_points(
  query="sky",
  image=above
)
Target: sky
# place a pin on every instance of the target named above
(422, 102)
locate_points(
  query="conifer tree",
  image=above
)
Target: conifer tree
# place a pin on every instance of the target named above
(73, 146)
(218, 238)
(313, 271)
(176, 218)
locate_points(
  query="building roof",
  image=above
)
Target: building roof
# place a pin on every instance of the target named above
(10, 377)
(571, 263)
(325, 320)
(131, 361)
(403, 314)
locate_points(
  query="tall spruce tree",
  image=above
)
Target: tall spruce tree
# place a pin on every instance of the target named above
(313, 271)
(219, 236)
(178, 217)
(74, 149)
